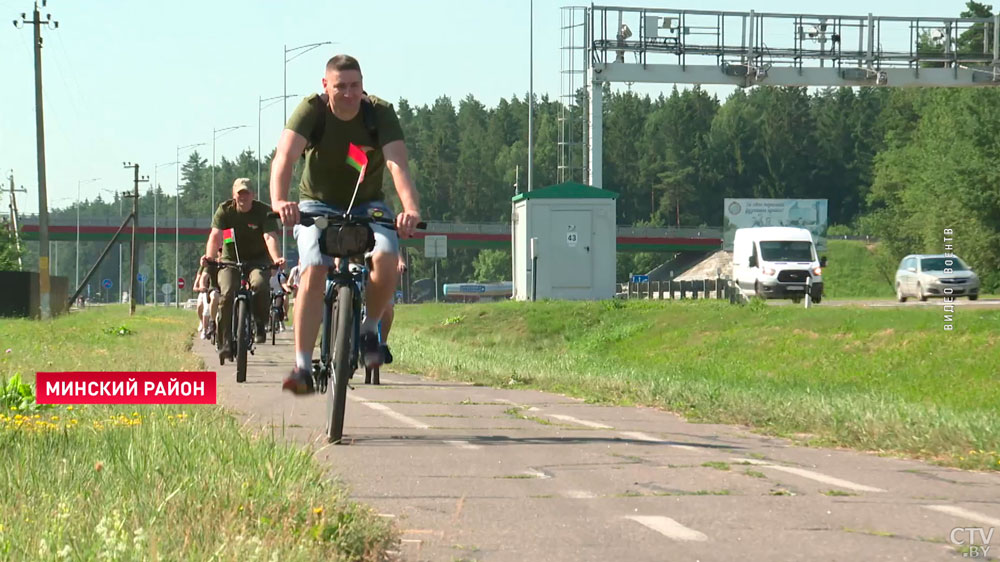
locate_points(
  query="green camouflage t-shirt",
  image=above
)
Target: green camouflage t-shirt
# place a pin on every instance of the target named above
(248, 228)
(327, 176)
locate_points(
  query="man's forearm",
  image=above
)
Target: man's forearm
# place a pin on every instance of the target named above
(272, 247)
(404, 187)
(212, 246)
(281, 178)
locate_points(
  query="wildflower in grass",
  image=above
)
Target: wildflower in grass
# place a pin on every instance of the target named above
(69, 408)
(318, 510)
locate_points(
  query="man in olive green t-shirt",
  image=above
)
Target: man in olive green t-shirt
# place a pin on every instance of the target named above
(321, 130)
(243, 230)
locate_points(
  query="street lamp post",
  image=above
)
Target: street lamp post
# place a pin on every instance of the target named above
(215, 135)
(78, 183)
(299, 51)
(260, 107)
(177, 223)
(156, 185)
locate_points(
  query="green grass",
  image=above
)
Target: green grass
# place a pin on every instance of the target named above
(888, 380)
(144, 482)
(852, 270)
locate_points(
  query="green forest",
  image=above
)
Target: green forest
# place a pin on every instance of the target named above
(899, 165)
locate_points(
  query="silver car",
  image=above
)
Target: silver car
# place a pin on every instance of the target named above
(923, 276)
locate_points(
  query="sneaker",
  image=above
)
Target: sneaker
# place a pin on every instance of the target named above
(261, 335)
(299, 382)
(386, 355)
(371, 350)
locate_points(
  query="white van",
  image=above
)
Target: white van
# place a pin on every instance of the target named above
(776, 262)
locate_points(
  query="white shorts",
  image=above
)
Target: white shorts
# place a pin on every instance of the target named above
(203, 302)
(307, 237)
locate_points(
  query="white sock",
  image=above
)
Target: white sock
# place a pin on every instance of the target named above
(303, 360)
(369, 325)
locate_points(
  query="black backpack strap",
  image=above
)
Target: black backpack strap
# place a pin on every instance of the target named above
(371, 121)
(319, 108)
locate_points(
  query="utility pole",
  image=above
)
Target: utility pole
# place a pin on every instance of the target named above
(44, 292)
(135, 226)
(13, 219)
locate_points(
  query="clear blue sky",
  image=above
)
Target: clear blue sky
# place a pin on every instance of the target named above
(133, 80)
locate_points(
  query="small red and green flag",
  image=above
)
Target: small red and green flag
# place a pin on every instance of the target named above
(228, 236)
(357, 159)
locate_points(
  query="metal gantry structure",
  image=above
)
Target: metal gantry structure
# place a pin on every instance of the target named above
(609, 44)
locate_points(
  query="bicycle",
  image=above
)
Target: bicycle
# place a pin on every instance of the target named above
(243, 327)
(277, 314)
(348, 238)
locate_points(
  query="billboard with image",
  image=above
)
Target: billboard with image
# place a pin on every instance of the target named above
(746, 213)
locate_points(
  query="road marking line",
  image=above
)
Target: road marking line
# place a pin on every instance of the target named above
(410, 421)
(580, 494)
(537, 474)
(812, 475)
(391, 413)
(463, 444)
(669, 528)
(640, 436)
(571, 419)
(965, 513)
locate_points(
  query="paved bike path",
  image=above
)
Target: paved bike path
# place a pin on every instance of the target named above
(476, 473)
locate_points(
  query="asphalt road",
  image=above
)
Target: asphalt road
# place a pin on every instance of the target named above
(960, 303)
(475, 473)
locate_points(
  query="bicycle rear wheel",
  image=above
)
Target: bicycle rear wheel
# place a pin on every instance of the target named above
(274, 324)
(242, 339)
(343, 336)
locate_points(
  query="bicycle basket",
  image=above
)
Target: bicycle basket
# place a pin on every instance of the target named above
(346, 240)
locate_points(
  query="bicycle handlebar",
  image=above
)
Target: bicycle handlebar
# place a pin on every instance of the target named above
(239, 265)
(338, 219)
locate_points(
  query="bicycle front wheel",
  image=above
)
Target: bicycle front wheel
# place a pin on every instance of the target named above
(274, 325)
(242, 338)
(343, 336)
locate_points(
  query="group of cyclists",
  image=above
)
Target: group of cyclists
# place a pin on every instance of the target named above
(282, 290)
(326, 131)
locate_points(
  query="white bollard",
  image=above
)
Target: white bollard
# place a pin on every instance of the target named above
(809, 284)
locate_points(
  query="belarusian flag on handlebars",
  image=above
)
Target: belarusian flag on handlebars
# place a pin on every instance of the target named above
(357, 159)
(228, 236)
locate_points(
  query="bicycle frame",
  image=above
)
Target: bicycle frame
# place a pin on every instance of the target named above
(244, 293)
(355, 276)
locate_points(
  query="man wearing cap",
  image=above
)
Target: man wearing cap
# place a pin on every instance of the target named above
(245, 234)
